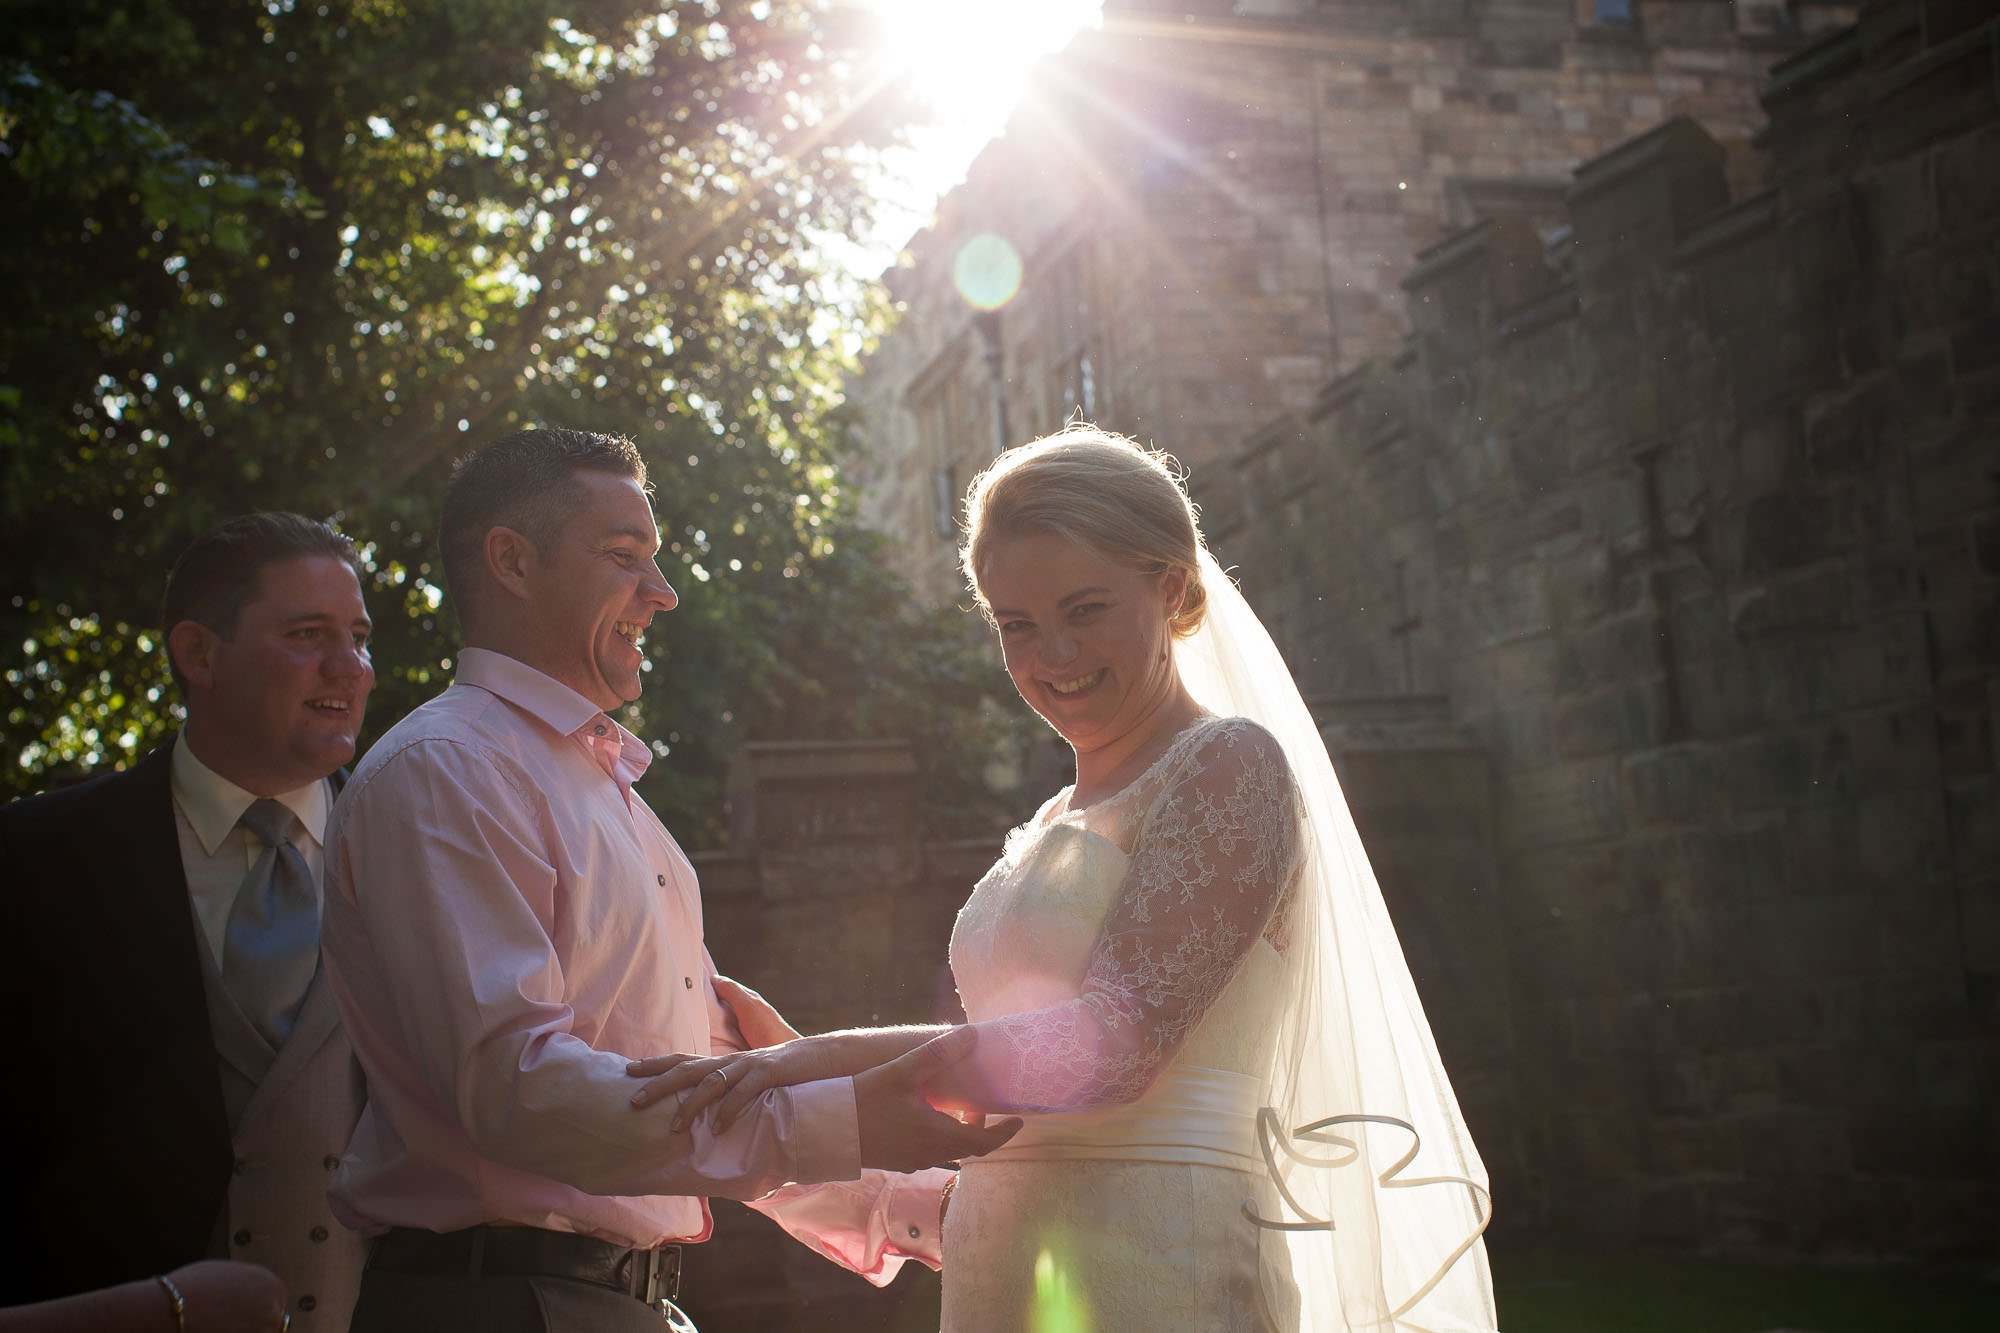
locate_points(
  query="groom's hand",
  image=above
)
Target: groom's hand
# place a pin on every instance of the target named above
(900, 1129)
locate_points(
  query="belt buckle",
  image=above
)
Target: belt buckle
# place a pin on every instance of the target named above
(663, 1274)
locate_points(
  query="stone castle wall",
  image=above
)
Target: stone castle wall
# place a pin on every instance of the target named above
(1693, 521)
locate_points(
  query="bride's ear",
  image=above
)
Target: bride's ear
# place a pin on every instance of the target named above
(1173, 590)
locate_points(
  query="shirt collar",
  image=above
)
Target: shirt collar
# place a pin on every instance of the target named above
(556, 706)
(213, 804)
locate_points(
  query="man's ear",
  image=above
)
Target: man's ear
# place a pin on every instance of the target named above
(191, 645)
(510, 559)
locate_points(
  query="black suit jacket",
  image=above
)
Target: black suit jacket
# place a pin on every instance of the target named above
(117, 1138)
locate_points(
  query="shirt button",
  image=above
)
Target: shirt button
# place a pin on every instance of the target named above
(687, 982)
(662, 880)
(318, 1233)
(597, 730)
(240, 1166)
(308, 1304)
(329, 1161)
(914, 1233)
(241, 1237)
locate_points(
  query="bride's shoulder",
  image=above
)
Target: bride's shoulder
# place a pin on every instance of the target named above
(1219, 753)
(1216, 736)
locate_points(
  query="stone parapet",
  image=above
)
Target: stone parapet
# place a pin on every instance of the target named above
(1695, 546)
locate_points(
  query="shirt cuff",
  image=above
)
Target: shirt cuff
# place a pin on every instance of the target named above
(828, 1130)
(911, 1214)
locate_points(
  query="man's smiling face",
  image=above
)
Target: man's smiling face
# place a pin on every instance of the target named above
(278, 703)
(594, 590)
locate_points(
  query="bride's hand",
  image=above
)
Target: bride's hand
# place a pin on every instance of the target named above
(756, 1019)
(731, 1082)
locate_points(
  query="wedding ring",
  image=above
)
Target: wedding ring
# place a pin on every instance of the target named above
(717, 1073)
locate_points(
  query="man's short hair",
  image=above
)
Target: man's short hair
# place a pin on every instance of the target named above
(218, 574)
(525, 481)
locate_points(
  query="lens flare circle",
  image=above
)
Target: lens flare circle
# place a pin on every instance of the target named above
(987, 271)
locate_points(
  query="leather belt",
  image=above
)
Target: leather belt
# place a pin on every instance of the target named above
(648, 1275)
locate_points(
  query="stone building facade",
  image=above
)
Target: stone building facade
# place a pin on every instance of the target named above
(1213, 205)
(1653, 578)
(1691, 525)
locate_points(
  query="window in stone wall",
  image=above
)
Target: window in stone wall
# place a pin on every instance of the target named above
(1068, 315)
(940, 409)
(944, 501)
(1611, 13)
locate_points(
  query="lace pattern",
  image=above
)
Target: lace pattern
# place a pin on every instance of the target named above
(1211, 836)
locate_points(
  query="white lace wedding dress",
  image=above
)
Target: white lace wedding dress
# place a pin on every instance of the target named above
(1125, 963)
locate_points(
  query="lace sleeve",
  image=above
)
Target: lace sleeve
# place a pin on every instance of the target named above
(1214, 859)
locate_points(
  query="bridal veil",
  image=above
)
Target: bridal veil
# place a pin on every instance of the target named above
(1384, 1198)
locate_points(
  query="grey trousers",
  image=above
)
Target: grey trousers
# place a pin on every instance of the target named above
(503, 1303)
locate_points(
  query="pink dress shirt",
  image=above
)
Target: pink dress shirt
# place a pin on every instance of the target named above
(506, 924)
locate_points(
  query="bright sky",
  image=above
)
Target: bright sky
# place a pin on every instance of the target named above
(970, 60)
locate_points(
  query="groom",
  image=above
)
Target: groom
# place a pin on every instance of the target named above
(507, 921)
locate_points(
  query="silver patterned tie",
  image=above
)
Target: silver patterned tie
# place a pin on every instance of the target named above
(271, 944)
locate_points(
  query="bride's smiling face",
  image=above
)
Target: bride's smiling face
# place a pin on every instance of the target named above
(1086, 640)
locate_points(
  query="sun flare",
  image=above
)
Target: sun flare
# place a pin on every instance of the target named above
(968, 61)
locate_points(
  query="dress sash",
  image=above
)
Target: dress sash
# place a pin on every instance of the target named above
(1192, 1115)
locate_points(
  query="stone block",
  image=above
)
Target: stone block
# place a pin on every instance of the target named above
(1882, 663)
(1965, 638)
(1810, 1074)
(1953, 1219)
(789, 793)
(1952, 1073)
(1946, 90)
(1974, 810)
(1779, 532)
(1619, 718)
(1611, 1027)
(1874, 1016)
(1902, 204)
(1670, 787)
(1625, 649)
(1642, 196)
(1915, 927)
(1796, 1142)
(1965, 728)
(1717, 865)
(1822, 851)
(1894, 749)
(1967, 194)
(1979, 924)
(1844, 430)
(1720, 696)
(1786, 769)
(1813, 600)
(1518, 736)
(1924, 1143)
(1696, 1144)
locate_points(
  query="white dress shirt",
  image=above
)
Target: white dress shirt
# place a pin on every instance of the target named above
(217, 853)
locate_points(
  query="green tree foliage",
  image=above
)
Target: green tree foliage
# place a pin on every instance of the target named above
(295, 255)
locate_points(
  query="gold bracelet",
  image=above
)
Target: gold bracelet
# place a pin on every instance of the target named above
(174, 1298)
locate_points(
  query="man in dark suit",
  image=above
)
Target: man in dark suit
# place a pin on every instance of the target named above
(186, 1090)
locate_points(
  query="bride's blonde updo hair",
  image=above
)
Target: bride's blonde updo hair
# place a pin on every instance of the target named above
(1119, 500)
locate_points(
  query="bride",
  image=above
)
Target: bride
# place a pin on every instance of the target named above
(1181, 970)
